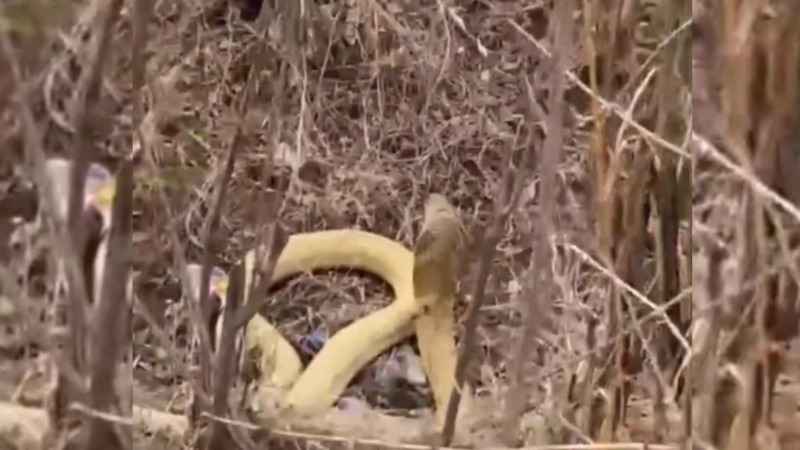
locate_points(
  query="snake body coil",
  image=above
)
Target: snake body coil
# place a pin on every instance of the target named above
(423, 282)
(424, 286)
(277, 361)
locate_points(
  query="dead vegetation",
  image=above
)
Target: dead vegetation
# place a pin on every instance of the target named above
(746, 128)
(563, 132)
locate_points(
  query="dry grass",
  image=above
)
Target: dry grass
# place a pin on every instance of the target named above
(564, 134)
(746, 121)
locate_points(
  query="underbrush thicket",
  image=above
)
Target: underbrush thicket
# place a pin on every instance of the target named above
(634, 264)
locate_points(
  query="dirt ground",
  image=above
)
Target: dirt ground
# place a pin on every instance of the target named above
(358, 142)
(787, 412)
(398, 103)
(363, 146)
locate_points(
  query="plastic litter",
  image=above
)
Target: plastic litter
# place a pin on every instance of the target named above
(312, 343)
(395, 382)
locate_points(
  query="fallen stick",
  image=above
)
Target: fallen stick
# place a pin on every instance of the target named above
(22, 428)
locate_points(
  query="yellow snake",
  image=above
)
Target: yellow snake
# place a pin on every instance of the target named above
(423, 282)
(277, 361)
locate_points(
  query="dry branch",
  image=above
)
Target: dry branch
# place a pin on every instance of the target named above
(747, 61)
(67, 394)
(509, 195)
(172, 430)
(391, 102)
(538, 293)
(109, 333)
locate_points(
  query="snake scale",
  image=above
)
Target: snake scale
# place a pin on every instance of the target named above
(423, 282)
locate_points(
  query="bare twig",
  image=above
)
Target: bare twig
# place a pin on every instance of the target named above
(225, 357)
(109, 331)
(142, 9)
(509, 194)
(35, 162)
(535, 310)
(65, 250)
(624, 116)
(266, 261)
(209, 235)
(84, 101)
